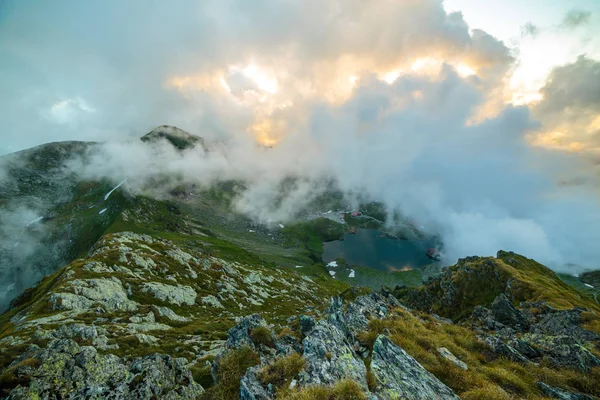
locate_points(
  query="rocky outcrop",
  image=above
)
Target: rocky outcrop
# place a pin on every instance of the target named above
(66, 370)
(399, 376)
(330, 357)
(505, 313)
(560, 394)
(554, 335)
(329, 354)
(177, 295)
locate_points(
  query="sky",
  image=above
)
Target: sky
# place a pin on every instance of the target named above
(479, 120)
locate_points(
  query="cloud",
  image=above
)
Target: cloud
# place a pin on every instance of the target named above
(310, 76)
(529, 29)
(570, 106)
(575, 18)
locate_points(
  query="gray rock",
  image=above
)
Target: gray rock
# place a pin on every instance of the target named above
(66, 370)
(564, 323)
(483, 317)
(212, 301)
(499, 348)
(251, 388)
(330, 358)
(447, 354)
(561, 394)
(239, 335)
(306, 324)
(178, 295)
(563, 351)
(108, 293)
(505, 313)
(399, 376)
(168, 313)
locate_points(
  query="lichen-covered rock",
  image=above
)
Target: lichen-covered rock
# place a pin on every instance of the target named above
(330, 358)
(66, 370)
(107, 293)
(564, 323)
(499, 348)
(251, 388)
(239, 335)
(170, 314)
(212, 301)
(358, 313)
(399, 376)
(178, 295)
(561, 394)
(447, 354)
(563, 351)
(507, 314)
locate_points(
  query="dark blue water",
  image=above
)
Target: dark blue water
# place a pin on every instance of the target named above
(370, 248)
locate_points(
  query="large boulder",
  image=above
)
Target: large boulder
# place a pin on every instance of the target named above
(330, 358)
(507, 314)
(399, 376)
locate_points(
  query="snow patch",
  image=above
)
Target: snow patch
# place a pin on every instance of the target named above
(103, 210)
(588, 285)
(299, 266)
(332, 264)
(35, 220)
(352, 274)
(332, 273)
(281, 226)
(251, 230)
(115, 188)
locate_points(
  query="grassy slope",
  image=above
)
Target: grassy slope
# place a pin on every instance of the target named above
(420, 335)
(479, 281)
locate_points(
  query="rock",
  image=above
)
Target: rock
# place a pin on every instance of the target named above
(178, 295)
(108, 293)
(505, 313)
(239, 335)
(499, 348)
(524, 348)
(212, 301)
(563, 351)
(444, 352)
(143, 318)
(330, 358)
(564, 323)
(306, 324)
(485, 318)
(146, 339)
(560, 394)
(375, 305)
(168, 313)
(251, 388)
(71, 331)
(66, 370)
(398, 375)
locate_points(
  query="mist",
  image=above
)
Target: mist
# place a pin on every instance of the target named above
(402, 103)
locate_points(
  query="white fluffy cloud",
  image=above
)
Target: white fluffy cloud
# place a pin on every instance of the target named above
(380, 96)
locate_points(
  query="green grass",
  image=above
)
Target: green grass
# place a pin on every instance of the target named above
(229, 371)
(480, 281)
(420, 335)
(281, 372)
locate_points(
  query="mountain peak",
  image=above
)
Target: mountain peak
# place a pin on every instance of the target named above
(177, 137)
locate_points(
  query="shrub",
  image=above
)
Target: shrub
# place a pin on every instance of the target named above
(229, 371)
(343, 390)
(262, 335)
(282, 371)
(489, 392)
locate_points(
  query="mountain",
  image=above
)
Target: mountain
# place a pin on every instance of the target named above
(181, 296)
(179, 138)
